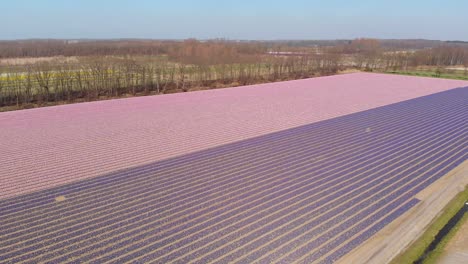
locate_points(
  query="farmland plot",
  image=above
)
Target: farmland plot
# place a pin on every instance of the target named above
(307, 190)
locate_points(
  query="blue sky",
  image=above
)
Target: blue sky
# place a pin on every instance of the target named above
(241, 19)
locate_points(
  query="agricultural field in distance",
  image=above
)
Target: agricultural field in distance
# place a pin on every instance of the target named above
(45, 73)
(318, 170)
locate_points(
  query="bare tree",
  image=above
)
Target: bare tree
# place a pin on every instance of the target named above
(43, 76)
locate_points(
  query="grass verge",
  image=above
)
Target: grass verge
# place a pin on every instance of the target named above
(454, 76)
(419, 246)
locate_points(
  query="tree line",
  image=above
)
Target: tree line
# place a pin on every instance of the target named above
(45, 83)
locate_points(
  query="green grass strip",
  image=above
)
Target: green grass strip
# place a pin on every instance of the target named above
(431, 74)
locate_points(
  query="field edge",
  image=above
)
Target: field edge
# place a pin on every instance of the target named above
(405, 239)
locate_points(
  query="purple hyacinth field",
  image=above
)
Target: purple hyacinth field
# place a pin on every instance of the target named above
(301, 171)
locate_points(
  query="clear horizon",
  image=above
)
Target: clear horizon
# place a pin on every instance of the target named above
(241, 20)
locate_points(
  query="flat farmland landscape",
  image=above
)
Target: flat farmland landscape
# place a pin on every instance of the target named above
(290, 172)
